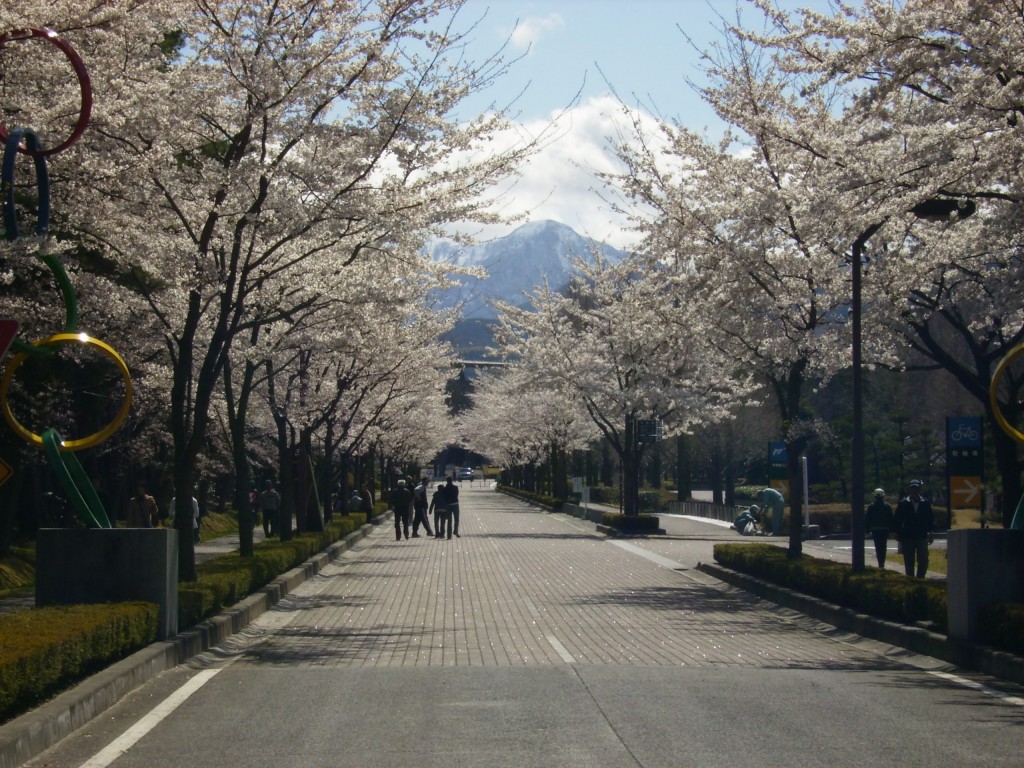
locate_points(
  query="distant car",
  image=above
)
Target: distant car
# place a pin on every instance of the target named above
(466, 473)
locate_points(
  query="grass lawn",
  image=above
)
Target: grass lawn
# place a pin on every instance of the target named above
(936, 560)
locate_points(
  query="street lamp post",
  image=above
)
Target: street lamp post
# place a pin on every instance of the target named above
(939, 209)
(857, 446)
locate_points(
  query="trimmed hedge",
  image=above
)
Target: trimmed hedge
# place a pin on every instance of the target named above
(637, 524)
(879, 592)
(47, 649)
(538, 498)
(227, 579)
(1001, 625)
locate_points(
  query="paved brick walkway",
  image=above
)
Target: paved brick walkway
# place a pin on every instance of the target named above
(526, 588)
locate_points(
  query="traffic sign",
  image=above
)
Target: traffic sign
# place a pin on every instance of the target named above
(5, 471)
(966, 491)
(8, 332)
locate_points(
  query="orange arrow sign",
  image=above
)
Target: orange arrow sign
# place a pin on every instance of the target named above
(966, 491)
(5, 472)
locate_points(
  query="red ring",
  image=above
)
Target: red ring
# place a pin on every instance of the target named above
(83, 81)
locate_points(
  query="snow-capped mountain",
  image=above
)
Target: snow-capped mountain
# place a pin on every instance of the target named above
(516, 264)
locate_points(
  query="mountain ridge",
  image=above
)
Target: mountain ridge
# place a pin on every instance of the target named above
(515, 264)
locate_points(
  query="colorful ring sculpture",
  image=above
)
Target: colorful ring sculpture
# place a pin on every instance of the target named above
(80, 443)
(84, 112)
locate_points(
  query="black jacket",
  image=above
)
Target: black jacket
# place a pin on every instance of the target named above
(914, 523)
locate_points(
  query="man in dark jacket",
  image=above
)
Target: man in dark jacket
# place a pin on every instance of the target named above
(914, 521)
(878, 520)
(451, 491)
(401, 502)
(419, 509)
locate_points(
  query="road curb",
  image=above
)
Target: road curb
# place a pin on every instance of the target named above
(28, 735)
(971, 656)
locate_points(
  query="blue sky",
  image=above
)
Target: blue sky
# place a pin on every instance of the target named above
(590, 47)
(637, 45)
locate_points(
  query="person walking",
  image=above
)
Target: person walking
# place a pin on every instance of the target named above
(195, 516)
(401, 503)
(355, 501)
(270, 508)
(772, 500)
(142, 509)
(914, 522)
(419, 508)
(368, 501)
(438, 510)
(451, 496)
(878, 520)
(442, 514)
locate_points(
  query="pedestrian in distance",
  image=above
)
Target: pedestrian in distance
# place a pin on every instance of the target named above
(437, 508)
(747, 522)
(451, 497)
(368, 501)
(195, 516)
(355, 501)
(442, 512)
(420, 507)
(270, 508)
(878, 520)
(254, 504)
(142, 509)
(401, 503)
(914, 522)
(772, 500)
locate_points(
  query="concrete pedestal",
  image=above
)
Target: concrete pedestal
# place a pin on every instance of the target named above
(110, 565)
(985, 566)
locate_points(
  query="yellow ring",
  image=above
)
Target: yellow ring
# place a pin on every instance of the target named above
(84, 442)
(1006, 426)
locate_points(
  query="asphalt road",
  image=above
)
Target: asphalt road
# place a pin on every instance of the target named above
(533, 641)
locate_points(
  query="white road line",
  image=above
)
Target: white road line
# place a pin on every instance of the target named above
(662, 561)
(129, 738)
(561, 650)
(1005, 697)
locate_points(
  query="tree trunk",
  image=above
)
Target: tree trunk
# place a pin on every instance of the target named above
(684, 481)
(630, 470)
(1007, 453)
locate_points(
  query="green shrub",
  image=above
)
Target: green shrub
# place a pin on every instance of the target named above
(538, 498)
(881, 593)
(229, 578)
(650, 500)
(19, 569)
(604, 494)
(44, 650)
(635, 524)
(1002, 626)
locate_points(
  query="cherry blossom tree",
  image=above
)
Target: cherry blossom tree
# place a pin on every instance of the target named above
(738, 223)
(519, 419)
(932, 107)
(627, 350)
(242, 165)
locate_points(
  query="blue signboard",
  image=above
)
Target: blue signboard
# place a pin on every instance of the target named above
(777, 453)
(963, 431)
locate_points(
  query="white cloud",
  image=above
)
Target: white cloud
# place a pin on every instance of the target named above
(560, 182)
(529, 31)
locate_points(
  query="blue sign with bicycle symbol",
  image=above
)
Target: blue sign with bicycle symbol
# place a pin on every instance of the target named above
(964, 431)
